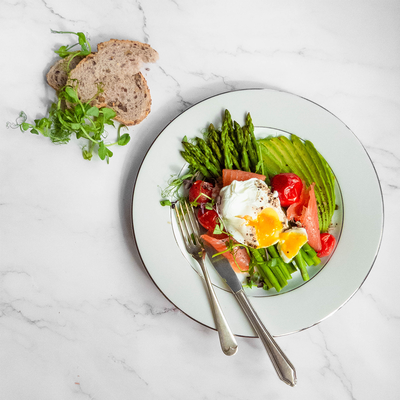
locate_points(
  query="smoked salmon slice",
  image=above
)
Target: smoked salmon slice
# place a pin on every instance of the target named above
(241, 257)
(306, 212)
(230, 175)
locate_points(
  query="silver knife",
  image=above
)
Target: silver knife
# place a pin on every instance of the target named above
(282, 365)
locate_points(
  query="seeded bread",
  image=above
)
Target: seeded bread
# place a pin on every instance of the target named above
(57, 77)
(115, 68)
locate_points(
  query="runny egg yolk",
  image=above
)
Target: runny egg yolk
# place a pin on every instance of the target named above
(267, 227)
(290, 243)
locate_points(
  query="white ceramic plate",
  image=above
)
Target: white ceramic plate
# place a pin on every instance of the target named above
(358, 195)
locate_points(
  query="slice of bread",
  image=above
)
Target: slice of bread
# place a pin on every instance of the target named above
(57, 77)
(115, 68)
(129, 98)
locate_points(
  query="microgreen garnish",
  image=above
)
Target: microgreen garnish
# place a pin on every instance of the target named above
(209, 206)
(172, 190)
(81, 119)
(124, 139)
(219, 228)
(65, 51)
(230, 244)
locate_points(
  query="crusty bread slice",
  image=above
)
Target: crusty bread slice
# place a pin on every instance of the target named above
(57, 77)
(129, 98)
(115, 68)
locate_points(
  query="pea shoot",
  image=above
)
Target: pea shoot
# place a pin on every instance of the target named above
(171, 192)
(64, 51)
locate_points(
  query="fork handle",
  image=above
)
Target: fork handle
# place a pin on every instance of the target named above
(282, 365)
(227, 339)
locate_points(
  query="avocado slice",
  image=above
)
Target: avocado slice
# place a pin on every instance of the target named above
(310, 177)
(275, 155)
(326, 173)
(321, 186)
(295, 164)
(272, 166)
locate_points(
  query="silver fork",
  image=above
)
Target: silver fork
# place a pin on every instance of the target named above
(189, 229)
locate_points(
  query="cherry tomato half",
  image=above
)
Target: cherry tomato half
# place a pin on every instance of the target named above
(328, 244)
(289, 187)
(208, 219)
(198, 189)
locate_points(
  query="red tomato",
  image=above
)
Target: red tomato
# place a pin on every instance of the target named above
(288, 186)
(198, 189)
(208, 219)
(328, 244)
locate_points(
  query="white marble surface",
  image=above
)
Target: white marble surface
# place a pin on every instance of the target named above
(79, 317)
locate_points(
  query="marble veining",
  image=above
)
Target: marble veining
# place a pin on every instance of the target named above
(79, 316)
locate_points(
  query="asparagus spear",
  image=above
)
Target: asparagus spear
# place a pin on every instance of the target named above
(208, 153)
(234, 155)
(312, 253)
(278, 262)
(309, 261)
(253, 143)
(212, 134)
(245, 157)
(250, 149)
(278, 273)
(228, 119)
(197, 154)
(193, 162)
(271, 277)
(265, 271)
(226, 150)
(238, 135)
(301, 264)
(217, 152)
(231, 133)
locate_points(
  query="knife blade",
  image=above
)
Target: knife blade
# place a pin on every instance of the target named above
(224, 269)
(284, 368)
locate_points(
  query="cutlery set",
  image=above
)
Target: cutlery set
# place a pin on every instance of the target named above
(190, 231)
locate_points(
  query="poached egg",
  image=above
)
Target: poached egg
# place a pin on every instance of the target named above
(252, 214)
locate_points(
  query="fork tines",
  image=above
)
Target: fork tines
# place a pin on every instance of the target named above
(187, 223)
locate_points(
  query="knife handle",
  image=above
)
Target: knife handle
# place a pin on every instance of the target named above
(282, 365)
(227, 339)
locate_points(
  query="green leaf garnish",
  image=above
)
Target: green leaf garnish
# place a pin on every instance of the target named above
(108, 113)
(71, 95)
(219, 228)
(65, 51)
(124, 139)
(93, 112)
(104, 152)
(174, 185)
(194, 203)
(80, 119)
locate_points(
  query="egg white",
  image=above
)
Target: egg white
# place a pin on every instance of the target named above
(243, 199)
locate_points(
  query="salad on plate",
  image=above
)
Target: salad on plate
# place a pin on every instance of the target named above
(265, 204)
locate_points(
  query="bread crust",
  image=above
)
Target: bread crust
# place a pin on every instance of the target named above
(115, 68)
(57, 76)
